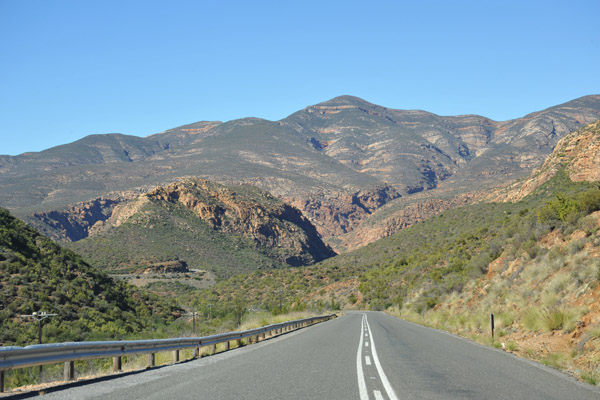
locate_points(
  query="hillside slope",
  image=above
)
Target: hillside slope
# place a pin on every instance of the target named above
(224, 229)
(37, 275)
(534, 263)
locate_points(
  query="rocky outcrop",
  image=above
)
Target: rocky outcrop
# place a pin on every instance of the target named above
(394, 217)
(167, 267)
(578, 153)
(76, 221)
(338, 213)
(239, 210)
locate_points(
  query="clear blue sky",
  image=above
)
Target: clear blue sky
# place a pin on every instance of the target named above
(73, 68)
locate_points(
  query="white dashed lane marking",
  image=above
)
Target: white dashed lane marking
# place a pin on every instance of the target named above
(373, 358)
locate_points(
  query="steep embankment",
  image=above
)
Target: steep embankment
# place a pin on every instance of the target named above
(37, 275)
(224, 229)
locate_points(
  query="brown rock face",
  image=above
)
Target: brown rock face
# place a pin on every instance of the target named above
(394, 217)
(77, 221)
(240, 210)
(339, 213)
(578, 153)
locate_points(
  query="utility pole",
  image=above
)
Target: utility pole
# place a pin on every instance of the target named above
(193, 314)
(39, 317)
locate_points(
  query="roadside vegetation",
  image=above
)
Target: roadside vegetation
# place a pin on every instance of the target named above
(535, 264)
(37, 275)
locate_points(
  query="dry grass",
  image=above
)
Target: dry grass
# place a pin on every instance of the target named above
(538, 304)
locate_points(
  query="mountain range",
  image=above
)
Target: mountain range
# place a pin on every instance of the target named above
(356, 170)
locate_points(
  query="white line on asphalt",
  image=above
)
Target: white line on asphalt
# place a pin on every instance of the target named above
(384, 380)
(378, 395)
(362, 386)
(368, 360)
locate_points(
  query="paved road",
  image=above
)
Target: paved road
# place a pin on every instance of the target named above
(359, 356)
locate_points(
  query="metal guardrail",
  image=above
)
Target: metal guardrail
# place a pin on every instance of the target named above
(14, 357)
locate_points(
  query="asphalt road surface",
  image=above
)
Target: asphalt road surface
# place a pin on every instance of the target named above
(363, 355)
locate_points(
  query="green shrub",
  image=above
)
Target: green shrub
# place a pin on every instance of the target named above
(554, 360)
(352, 298)
(532, 320)
(591, 378)
(557, 319)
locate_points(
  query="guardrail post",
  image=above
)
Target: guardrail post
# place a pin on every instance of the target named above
(238, 342)
(175, 356)
(214, 349)
(69, 370)
(1, 381)
(150, 360)
(117, 364)
(227, 345)
(196, 352)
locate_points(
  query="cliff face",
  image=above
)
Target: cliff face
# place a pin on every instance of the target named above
(76, 221)
(335, 214)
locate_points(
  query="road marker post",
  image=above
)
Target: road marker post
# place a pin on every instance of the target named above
(150, 360)
(117, 364)
(69, 371)
(492, 323)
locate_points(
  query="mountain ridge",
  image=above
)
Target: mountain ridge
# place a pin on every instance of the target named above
(319, 159)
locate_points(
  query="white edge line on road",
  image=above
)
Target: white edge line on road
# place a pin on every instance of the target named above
(384, 380)
(378, 395)
(362, 386)
(532, 363)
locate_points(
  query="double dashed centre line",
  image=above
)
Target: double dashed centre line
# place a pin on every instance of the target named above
(367, 345)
